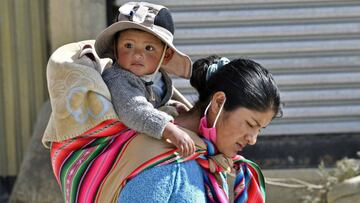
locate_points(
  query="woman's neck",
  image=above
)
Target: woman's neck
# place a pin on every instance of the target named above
(189, 120)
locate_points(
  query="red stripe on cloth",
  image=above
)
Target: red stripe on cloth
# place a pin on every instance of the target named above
(254, 191)
(101, 168)
(124, 145)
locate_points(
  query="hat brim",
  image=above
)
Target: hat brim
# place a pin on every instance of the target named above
(179, 64)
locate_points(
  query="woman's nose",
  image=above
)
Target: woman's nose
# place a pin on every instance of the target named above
(251, 138)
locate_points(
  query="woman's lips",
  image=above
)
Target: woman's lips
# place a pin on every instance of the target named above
(239, 147)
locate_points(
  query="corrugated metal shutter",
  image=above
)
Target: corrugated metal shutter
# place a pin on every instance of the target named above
(23, 58)
(311, 46)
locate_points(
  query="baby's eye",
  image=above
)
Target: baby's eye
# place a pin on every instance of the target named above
(128, 45)
(149, 48)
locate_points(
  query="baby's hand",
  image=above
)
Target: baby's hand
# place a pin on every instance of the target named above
(180, 139)
(180, 107)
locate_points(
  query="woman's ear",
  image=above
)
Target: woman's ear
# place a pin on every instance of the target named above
(169, 53)
(217, 101)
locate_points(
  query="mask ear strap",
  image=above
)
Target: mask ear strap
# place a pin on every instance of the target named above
(207, 108)
(218, 114)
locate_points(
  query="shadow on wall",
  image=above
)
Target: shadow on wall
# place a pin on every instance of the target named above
(36, 182)
(6, 183)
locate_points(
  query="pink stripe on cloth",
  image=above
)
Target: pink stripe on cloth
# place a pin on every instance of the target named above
(220, 193)
(101, 167)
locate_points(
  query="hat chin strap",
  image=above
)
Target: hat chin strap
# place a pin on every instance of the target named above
(150, 77)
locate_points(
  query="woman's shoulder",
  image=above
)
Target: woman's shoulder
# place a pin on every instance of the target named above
(195, 137)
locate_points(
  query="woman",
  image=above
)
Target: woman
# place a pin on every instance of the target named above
(238, 100)
(110, 163)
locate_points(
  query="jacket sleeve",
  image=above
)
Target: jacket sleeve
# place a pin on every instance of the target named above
(131, 105)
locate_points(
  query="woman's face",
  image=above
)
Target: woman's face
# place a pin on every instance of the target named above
(238, 128)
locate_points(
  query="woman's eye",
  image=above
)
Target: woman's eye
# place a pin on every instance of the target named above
(149, 48)
(251, 126)
(128, 45)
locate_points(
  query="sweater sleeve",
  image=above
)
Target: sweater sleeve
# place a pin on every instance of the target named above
(131, 105)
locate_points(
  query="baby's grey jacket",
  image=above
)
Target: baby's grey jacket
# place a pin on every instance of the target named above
(131, 100)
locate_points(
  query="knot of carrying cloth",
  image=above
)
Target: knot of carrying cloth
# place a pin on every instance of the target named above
(248, 184)
(216, 169)
(213, 161)
(220, 163)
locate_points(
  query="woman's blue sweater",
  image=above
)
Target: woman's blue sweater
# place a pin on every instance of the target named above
(177, 182)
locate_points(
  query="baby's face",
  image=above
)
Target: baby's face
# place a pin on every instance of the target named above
(139, 52)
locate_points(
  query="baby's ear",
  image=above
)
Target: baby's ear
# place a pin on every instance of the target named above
(169, 53)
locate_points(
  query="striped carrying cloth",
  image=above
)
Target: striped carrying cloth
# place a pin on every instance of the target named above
(95, 166)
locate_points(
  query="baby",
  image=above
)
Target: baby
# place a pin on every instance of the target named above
(140, 44)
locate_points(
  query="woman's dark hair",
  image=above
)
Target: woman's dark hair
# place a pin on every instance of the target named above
(244, 82)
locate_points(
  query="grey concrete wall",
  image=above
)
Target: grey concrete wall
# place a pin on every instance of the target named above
(311, 47)
(71, 21)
